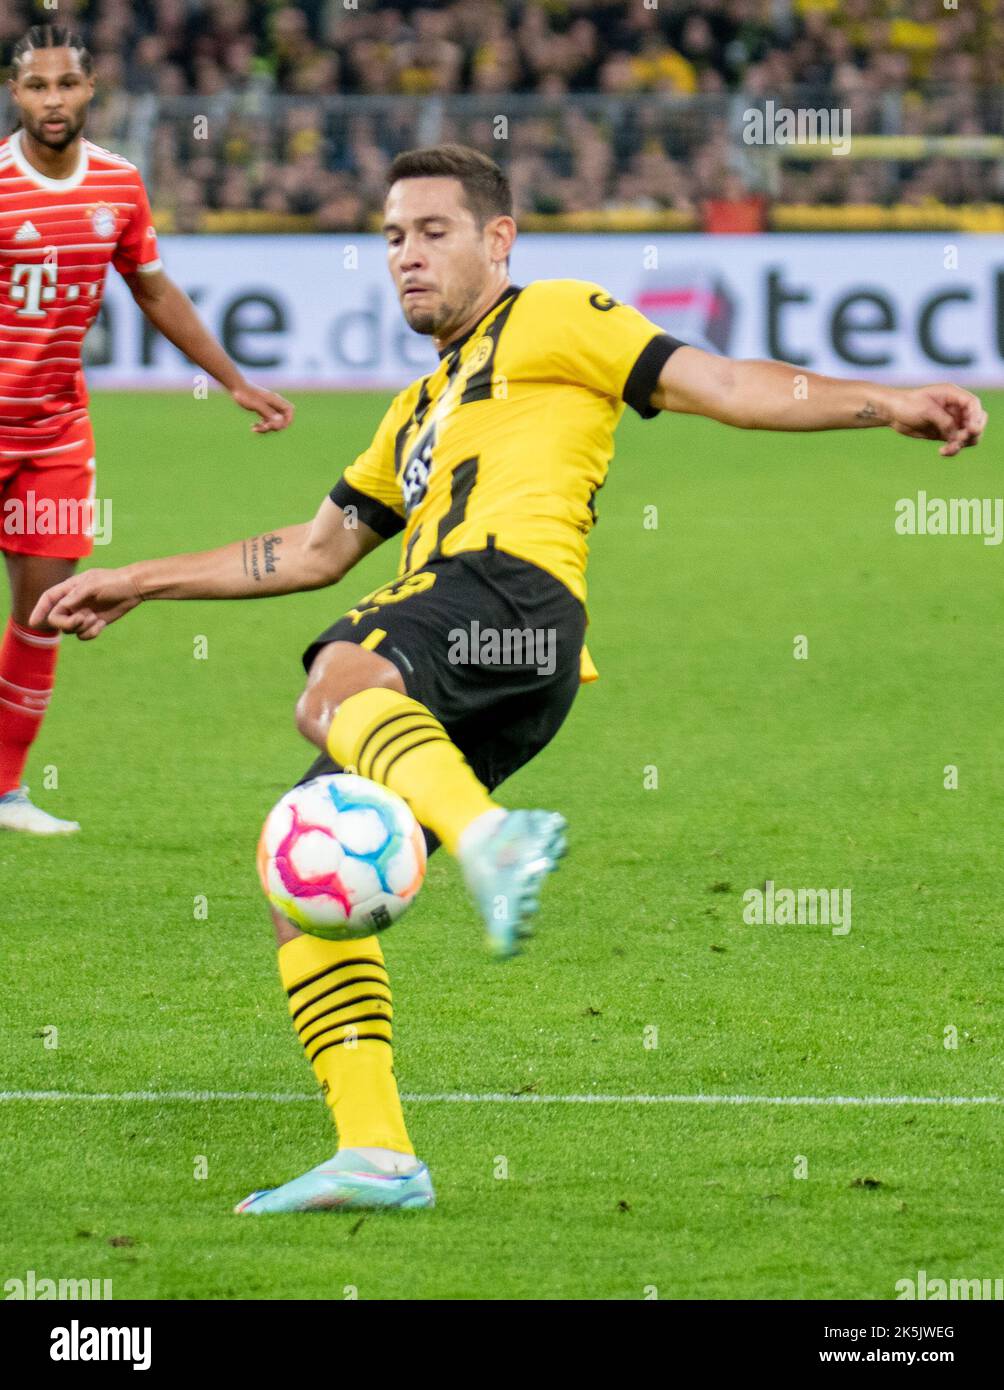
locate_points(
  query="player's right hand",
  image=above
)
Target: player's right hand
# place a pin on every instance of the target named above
(944, 412)
(86, 603)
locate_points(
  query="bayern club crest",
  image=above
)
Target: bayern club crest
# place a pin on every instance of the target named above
(103, 220)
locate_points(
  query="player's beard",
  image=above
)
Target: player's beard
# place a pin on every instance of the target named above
(439, 321)
(429, 322)
(56, 142)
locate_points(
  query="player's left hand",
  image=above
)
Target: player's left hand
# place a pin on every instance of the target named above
(275, 411)
(939, 412)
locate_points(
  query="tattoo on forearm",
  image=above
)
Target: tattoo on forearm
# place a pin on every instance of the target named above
(252, 558)
(868, 411)
(271, 551)
(259, 550)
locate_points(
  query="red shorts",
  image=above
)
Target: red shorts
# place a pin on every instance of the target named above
(47, 493)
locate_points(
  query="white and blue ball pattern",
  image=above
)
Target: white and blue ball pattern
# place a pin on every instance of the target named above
(341, 857)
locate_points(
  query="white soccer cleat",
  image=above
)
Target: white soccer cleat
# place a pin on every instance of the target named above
(18, 813)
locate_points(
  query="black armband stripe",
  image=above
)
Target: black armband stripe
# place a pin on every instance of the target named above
(383, 519)
(644, 375)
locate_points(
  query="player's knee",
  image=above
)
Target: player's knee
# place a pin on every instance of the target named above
(311, 711)
(319, 703)
(340, 671)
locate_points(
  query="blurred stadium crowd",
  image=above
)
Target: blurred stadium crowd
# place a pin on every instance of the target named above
(628, 110)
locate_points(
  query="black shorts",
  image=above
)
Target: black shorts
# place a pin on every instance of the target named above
(489, 643)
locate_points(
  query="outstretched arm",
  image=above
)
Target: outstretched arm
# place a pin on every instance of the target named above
(308, 556)
(777, 396)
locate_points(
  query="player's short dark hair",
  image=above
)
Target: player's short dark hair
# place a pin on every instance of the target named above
(50, 36)
(486, 188)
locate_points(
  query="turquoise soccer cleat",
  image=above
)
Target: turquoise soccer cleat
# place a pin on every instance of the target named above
(347, 1182)
(505, 869)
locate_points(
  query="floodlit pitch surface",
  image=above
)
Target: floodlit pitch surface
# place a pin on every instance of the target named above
(144, 943)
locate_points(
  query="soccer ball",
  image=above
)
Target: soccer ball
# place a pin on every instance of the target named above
(341, 857)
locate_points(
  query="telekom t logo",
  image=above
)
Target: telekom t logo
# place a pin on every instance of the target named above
(27, 287)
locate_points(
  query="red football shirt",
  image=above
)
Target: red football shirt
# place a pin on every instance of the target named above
(57, 237)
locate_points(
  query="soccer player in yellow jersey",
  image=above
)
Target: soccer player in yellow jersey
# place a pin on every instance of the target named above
(487, 467)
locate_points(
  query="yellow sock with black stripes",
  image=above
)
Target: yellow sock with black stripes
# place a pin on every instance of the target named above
(340, 1004)
(398, 742)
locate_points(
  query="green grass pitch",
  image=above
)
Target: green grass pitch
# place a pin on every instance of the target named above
(643, 980)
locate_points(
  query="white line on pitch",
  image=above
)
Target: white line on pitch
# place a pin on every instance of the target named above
(501, 1098)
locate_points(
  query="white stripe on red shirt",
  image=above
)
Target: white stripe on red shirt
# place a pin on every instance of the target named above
(52, 276)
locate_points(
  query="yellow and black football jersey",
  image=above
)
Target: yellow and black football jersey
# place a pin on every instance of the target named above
(511, 436)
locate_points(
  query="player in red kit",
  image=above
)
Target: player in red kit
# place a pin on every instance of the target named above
(68, 209)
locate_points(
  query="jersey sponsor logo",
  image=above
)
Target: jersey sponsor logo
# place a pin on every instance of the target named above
(103, 220)
(27, 288)
(414, 474)
(27, 232)
(603, 302)
(418, 466)
(467, 380)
